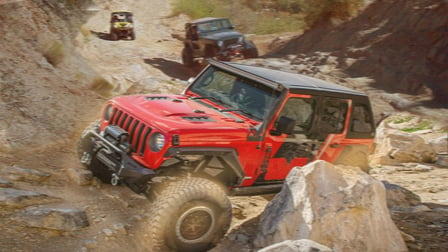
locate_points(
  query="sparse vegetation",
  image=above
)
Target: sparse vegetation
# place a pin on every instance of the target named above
(265, 17)
(54, 53)
(102, 86)
(422, 125)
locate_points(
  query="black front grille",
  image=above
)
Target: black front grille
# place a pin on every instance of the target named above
(230, 42)
(137, 130)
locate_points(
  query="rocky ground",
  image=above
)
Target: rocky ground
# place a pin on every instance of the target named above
(151, 64)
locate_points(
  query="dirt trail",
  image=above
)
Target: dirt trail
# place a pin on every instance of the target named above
(151, 58)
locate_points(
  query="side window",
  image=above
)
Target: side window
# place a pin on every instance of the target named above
(361, 119)
(301, 110)
(332, 116)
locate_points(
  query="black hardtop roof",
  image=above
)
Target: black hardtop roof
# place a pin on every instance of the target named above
(287, 79)
(205, 19)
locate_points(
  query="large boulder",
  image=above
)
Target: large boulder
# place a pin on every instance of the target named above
(394, 146)
(340, 207)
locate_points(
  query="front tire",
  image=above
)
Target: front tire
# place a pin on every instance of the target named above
(187, 56)
(189, 214)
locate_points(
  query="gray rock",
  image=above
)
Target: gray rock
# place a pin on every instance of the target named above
(340, 207)
(5, 183)
(13, 198)
(398, 196)
(62, 219)
(302, 245)
(17, 173)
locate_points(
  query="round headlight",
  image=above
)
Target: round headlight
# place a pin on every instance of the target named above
(240, 39)
(156, 142)
(220, 43)
(108, 111)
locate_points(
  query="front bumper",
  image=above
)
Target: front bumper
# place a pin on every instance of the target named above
(119, 162)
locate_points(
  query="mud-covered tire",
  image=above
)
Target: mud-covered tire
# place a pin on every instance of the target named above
(132, 35)
(187, 56)
(188, 214)
(250, 50)
(113, 36)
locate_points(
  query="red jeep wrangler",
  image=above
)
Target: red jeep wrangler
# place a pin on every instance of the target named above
(235, 130)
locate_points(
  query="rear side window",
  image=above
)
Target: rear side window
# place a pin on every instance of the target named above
(361, 123)
(332, 116)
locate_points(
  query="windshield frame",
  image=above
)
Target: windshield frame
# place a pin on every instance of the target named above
(214, 25)
(235, 93)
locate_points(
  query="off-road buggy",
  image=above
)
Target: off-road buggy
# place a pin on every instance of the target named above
(215, 38)
(121, 25)
(235, 130)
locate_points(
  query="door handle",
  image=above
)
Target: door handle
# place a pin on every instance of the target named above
(335, 145)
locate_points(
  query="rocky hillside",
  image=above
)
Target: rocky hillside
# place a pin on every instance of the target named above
(44, 84)
(400, 45)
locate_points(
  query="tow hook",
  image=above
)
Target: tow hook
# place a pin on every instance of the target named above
(115, 179)
(116, 176)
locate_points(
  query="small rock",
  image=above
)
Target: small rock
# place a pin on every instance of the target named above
(108, 232)
(14, 198)
(54, 218)
(17, 173)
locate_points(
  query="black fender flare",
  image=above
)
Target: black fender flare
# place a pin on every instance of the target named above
(227, 156)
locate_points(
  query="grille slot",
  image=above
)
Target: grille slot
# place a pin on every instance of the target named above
(230, 42)
(138, 131)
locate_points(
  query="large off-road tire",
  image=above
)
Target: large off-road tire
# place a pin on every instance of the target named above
(98, 169)
(113, 36)
(188, 214)
(132, 35)
(187, 56)
(250, 50)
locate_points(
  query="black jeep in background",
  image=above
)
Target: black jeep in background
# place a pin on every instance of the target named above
(215, 38)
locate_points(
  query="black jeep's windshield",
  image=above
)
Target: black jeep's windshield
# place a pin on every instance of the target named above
(236, 93)
(215, 25)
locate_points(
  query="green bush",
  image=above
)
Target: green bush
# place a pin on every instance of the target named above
(264, 17)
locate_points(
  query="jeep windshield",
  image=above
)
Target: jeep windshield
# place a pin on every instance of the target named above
(215, 25)
(235, 93)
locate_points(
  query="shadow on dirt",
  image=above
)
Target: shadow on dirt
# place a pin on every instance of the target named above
(101, 35)
(174, 69)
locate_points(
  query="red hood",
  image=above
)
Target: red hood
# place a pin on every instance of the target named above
(177, 113)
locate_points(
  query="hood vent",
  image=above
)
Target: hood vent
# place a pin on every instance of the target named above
(198, 118)
(156, 98)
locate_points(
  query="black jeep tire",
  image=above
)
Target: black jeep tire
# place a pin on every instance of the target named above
(98, 169)
(132, 35)
(210, 52)
(189, 214)
(113, 36)
(250, 50)
(187, 56)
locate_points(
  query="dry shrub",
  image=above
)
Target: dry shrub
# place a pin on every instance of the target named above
(54, 53)
(102, 86)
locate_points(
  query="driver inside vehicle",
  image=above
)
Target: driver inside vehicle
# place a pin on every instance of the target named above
(247, 98)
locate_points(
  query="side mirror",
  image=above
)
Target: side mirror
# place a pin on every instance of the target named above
(285, 125)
